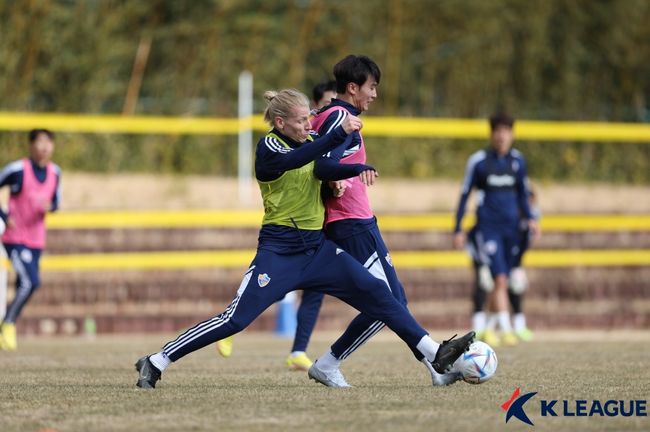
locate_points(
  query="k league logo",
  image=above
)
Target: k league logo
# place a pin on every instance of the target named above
(514, 407)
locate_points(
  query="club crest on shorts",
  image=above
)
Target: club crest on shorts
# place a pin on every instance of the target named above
(389, 260)
(26, 255)
(263, 280)
(491, 247)
(339, 250)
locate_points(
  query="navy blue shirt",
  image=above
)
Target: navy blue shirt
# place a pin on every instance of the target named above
(12, 176)
(272, 159)
(502, 190)
(330, 163)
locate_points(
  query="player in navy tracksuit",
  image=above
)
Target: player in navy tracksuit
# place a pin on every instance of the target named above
(293, 252)
(500, 176)
(518, 282)
(311, 302)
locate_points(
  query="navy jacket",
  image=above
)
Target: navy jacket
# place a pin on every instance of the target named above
(502, 190)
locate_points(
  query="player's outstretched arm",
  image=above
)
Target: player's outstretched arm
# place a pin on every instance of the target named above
(275, 158)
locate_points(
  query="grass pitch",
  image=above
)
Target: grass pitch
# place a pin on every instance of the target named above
(81, 385)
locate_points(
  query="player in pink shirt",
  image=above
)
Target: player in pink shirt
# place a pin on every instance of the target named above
(34, 186)
(349, 219)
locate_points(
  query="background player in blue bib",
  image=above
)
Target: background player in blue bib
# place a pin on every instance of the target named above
(499, 175)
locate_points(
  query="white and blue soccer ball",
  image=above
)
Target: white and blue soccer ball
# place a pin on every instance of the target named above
(478, 364)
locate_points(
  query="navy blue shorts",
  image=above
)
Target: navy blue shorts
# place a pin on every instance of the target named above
(498, 249)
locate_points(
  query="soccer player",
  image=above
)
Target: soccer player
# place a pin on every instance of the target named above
(499, 174)
(293, 253)
(34, 184)
(349, 220)
(311, 301)
(518, 281)
(322, 94)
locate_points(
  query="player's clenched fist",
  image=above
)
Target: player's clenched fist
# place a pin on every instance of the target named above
(338, 188)
(352, 124)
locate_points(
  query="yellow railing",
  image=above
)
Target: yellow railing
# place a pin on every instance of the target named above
(387, 222)
(242, 258)
(406, 259)
(373, 126)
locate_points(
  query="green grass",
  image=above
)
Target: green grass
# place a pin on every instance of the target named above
(81, 385)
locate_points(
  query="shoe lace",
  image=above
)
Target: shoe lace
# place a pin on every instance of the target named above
(445, 342)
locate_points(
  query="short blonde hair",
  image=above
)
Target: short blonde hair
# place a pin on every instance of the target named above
(280, 103)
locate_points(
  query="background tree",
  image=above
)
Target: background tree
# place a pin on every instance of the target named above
(551, 59)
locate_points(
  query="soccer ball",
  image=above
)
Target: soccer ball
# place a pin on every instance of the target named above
(478, 364)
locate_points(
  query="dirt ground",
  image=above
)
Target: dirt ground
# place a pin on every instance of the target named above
(83, 191)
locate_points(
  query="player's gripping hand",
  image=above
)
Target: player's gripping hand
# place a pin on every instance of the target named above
(352, 124)
(368, 177)
(338, 188)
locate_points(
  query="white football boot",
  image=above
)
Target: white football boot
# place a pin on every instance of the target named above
(441, 380)
(333, 378)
